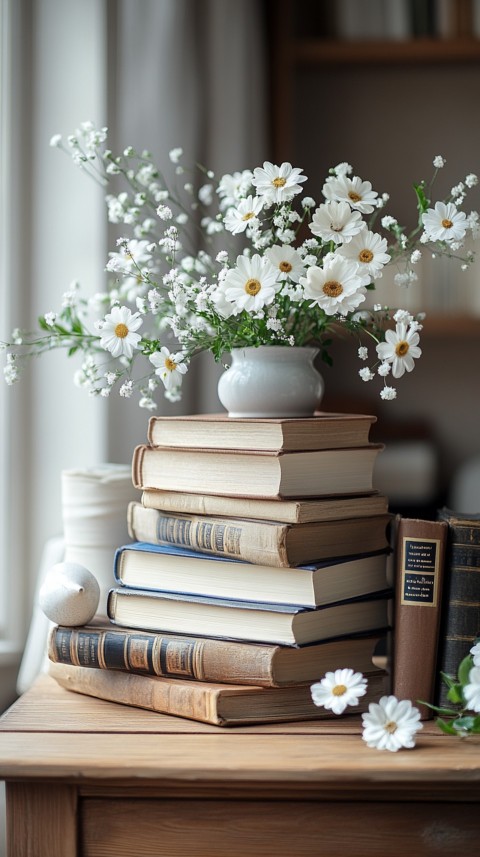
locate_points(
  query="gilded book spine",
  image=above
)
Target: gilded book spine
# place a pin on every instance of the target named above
(258, 542)
(461, 612)
(461, 604)
(162, 655)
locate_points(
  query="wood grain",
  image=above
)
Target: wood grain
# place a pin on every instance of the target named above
(50, 708)
(172, 828)
(41, 822)
(147, 784)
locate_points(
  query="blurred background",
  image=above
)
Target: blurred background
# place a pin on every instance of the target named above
(383, 84)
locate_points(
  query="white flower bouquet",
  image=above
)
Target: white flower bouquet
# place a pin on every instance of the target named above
(245, 261)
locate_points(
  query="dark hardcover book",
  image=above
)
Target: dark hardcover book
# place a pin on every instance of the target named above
(460, 623)
(420, 562)
(232, 619)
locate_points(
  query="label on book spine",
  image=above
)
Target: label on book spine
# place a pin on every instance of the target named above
(420, 562)
(202, 535)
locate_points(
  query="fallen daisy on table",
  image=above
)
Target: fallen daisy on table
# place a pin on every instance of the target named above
(337, 690)
(391, 724)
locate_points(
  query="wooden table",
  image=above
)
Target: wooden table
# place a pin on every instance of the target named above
(87, 777)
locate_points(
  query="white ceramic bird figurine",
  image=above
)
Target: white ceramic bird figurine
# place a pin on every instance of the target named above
(69, 594)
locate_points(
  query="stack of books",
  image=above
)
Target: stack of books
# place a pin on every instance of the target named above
(259, 562)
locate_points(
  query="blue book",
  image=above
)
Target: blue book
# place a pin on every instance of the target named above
(235, 619)
(174, 569)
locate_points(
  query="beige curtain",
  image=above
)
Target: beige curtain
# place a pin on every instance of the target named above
(187, 73)
(178, 73)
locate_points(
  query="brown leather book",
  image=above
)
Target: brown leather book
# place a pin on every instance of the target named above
(208, 702)
(420, 564)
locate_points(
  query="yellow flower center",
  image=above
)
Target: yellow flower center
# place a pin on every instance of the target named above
(365, 255)
(285, 267)
(401, 348)
(391, 727)
(339, 690)
(170, 364)
(252, 286)
(248, 215)
(447, 224)
(332, 288)
(279, 182)
(354, 196)
(121, 331)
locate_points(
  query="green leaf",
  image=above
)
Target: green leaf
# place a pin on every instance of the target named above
(455, 694)
(71, 351)
(448, 680)
(450, 711)
(476, 725)
(422, 201)
(445, 726)
(463, 724)
(464, 670)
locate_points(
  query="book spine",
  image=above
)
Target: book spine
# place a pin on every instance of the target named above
(251, 541)
(420, 566)
(162, 655)
(137, 466)
(461, 605)
(287, 512)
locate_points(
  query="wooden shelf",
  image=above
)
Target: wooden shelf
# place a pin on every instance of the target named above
(420, 50)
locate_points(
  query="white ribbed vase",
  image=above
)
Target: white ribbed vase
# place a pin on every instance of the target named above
(271, 381)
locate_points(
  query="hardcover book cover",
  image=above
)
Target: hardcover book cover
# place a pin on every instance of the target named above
(420, 562)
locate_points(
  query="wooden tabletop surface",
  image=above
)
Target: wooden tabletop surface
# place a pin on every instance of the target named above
(51, 733)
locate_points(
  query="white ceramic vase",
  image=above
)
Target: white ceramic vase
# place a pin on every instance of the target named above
(271, 381)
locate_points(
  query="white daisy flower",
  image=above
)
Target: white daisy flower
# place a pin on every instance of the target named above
(444, 222)
(357, 193)
(237, 219)
(252, 284)
(337, 690)
(288, 262)
(475, 653)
(390, 724)
(471, 691)
(277, 184)
(335, 221)
(118, 331)
(336, 288)
(169, 367)
(368, 249)
(400, 349)
(233, 187)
